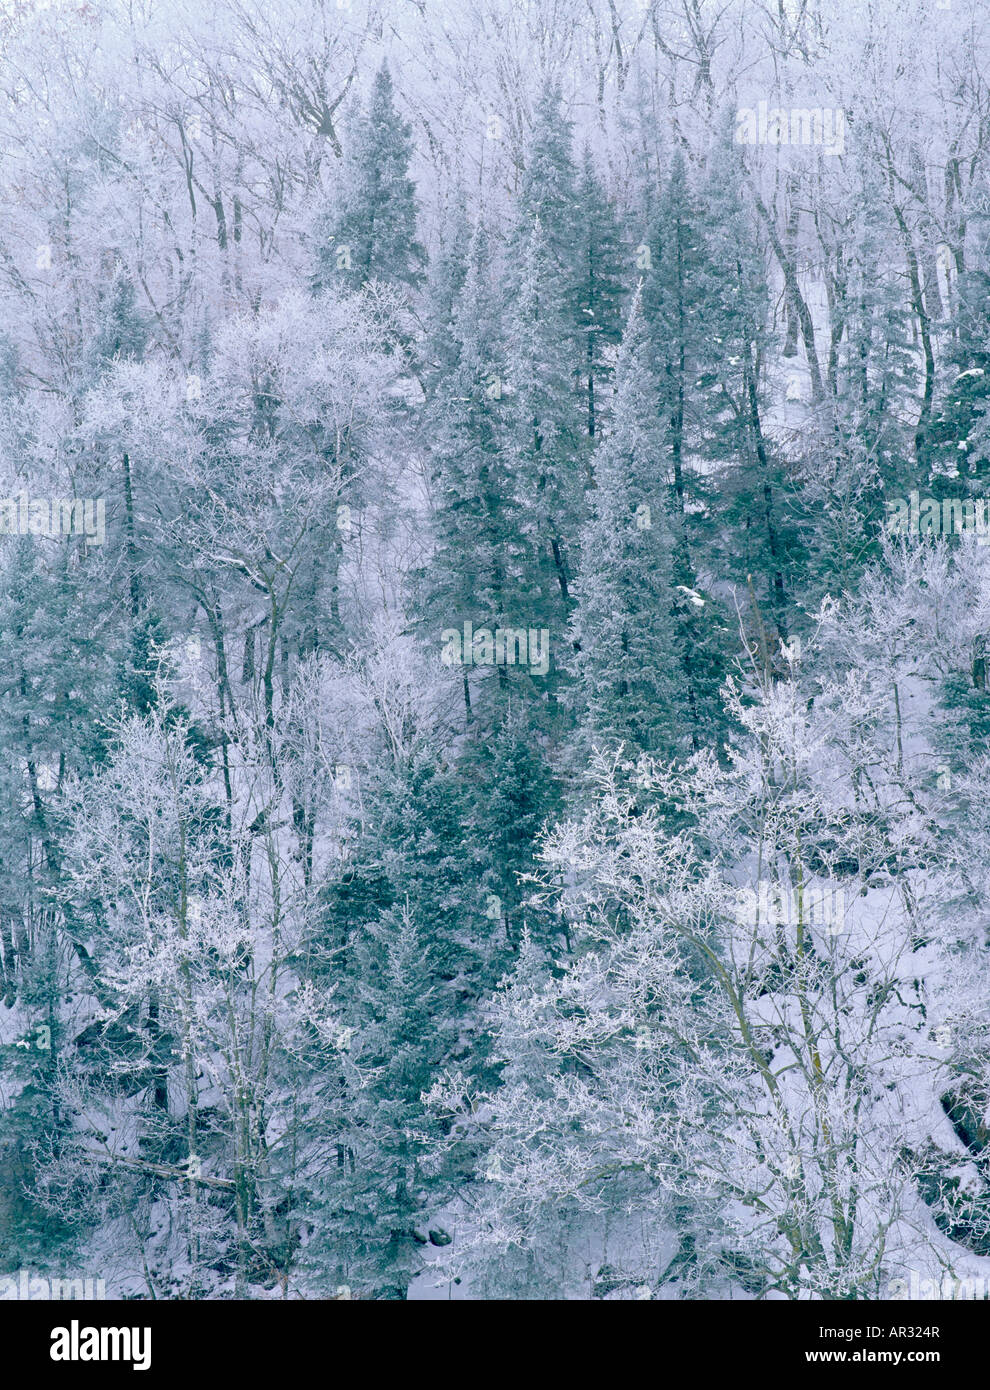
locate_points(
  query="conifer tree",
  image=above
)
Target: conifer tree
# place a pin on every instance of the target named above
(448, 270)
(122, 332)
(877, 368)
(626, 665)
(674, 306)
(374, 237)
(474, 570)
(375, 1207)
(753, 536)
(514, 792)
(548, 193)
(545, 438)
(410, 840)
(599, 287)
(959, 437)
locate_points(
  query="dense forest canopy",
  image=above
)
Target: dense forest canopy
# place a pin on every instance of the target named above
(494, 603)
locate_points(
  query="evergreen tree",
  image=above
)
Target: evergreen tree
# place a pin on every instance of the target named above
(548, 193)
(599, 289)
(959, 437)
(514, 793)
(122, 332)
(877, 376)
(448, 271)
(674, 306)
(373, 236)
(753, 537)
(411, 842)
(474, 570)
(122, 336)
(373, 1209)
(626, 665)
(545, 440)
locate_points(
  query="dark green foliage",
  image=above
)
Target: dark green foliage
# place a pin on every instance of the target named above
(373, 237)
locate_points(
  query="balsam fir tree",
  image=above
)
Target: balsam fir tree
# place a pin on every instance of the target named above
(122, 336)
(545, 440)
(515, 791)
(959, 436)
(122, 331)
(752, 536)
(411, 841)
(599, 289)
(674, 307)
(630, 684)
(548, 193)
(373, 237)
(877, 377)
(479, 547)
(448, 271)
(375, 1208)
